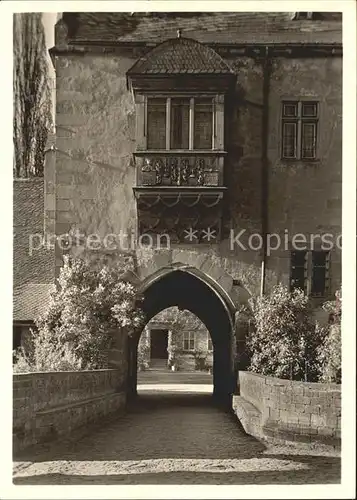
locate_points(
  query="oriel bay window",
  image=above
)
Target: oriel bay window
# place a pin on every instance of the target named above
(299, 130)
(180, 123)
(180, 88)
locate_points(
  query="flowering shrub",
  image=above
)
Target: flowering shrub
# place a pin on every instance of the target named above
(329, 352)
(284, 341)
(48, 353)
(89, 305)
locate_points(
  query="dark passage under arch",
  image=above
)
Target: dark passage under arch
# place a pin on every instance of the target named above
(190, 289)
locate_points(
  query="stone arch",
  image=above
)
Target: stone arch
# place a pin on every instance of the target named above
(216, 287)
(206, 263)
(190, 288)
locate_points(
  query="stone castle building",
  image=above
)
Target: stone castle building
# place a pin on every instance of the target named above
(192, 143)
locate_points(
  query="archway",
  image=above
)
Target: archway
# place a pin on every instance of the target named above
(191, 289)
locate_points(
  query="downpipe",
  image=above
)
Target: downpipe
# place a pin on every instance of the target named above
(266, 63)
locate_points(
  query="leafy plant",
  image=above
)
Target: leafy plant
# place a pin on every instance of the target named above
(285, 340)
(89, 305)
(179, 320)
(200, 360)
(48, 353)
(329, 353)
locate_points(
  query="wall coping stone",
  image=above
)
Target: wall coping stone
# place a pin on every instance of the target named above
(280, 381)
(31, 374)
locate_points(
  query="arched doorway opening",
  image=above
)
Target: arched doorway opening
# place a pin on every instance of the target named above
(191, 289)
(175, 354)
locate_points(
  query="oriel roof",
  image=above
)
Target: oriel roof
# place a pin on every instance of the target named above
(180, 56)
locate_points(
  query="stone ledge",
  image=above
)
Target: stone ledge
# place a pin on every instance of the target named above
(248, 415)
(275, 434)
(82, 402)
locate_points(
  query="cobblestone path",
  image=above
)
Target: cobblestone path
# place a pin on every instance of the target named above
(176, 438)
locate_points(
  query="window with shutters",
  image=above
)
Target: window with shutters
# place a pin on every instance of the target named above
(310, 272)
(189, 341)
(299, 130)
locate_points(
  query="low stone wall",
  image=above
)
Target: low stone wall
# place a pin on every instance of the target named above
(51, 404)
(284, 411)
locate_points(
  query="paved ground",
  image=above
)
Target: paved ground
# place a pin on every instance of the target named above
(161, 377)
(173, 435)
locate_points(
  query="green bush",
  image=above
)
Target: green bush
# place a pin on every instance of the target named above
(329, 352)
(284, 340)
(47, 354)
(89, 305)
(200, 360)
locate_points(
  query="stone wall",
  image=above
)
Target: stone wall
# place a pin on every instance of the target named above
(284, 411)
(49, 405)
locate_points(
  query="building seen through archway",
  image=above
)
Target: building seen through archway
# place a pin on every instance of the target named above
(176, 341)
(175, 353)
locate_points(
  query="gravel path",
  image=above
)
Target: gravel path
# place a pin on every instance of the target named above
(172, 438)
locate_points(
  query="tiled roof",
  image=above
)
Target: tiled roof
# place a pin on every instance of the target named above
(181, 55)
(206, 27)
(36, 265)
(30, 301)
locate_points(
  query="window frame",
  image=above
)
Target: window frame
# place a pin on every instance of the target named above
(305, 267)
(217, 106)
(309, 273)
(209, 343)
(299, 120)
(326, 267)
(191, 337)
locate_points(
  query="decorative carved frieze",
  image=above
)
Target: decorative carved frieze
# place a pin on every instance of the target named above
(179, 171)
(180, 194)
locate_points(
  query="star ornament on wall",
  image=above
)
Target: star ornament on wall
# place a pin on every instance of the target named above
(209, 234)
(191, 234)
